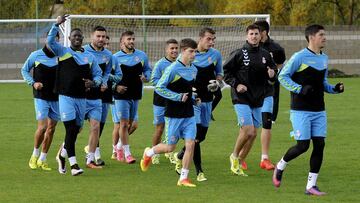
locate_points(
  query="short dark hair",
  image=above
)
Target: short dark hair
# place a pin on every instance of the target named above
(126, 33)
(108, 37)
(171, 41)
(205, 30)
(312, 30)
(252, 27)
(188, 43)
(99, 28)
(263, 25)
(75, 29)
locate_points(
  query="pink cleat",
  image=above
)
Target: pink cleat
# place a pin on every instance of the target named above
(314, 191)
(130, 159)
(120, 155)
(277, 176)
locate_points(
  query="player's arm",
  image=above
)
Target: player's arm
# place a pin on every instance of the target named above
(161, 87)
(116, 78)
(106, 73)
(332, 89)
(272, 69)
(218, 67)
(287, 71)
(55, 46)
(147, 69)
(230, 69)
(25, 70)
(96, 73)
(156, 74)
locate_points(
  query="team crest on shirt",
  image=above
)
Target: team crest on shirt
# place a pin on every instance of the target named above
(263, 60)
(210, 59)
(137, 58)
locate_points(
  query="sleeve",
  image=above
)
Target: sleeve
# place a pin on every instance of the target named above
(116, 78)
(287, 71)
(96, 73)
(161, 87)
(107, 71)
(147, 68)
(229, 73)
(218, 66)
(328, 87)
(156, 73)
(56, 47)
(25, 70)
(270, 63)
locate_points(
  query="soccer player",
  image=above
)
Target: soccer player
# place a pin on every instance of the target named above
(270, 106)
(305, 76)
(44, 64)
(172, 52)
(247, 71)
(176, 86)
(78, 71)
(98, 98)
(208, 62)
(136, 70)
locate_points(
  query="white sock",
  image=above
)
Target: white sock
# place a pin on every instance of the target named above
(264, 156)
(90, 157)
(184, 174)
(63, 152)
(311, 180)
(114, 149)
(150, 152)
(72, 160)
(234, 157)
(97, 153)
(281, 165)
(119, 145)
(126, 150)
(43, 156)
(36, 152)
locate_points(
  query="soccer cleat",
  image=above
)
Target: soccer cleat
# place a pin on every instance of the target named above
(186, 183)
(314, 191)
(99, 162)
(145, 161)
(86, 149)
(170, 156)
(201, 177)
(61, 162)
(267, 165)
(114, 156)
(43, 165)
(234, 165)
(130, 159)
(32, 162)
(178, 165)
(120, 154)
(92, 165)
(76, 170)
(244, 165)
(155, 159)
(277, 176)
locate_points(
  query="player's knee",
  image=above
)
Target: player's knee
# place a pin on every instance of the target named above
(189, 145)
(170, 148)
(319, 144)
(41, 129)
(303, 145)
(266, 120)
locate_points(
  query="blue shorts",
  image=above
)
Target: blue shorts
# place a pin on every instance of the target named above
(248, 116)
(307, 124)
(126, 109)
(159, 112)
(93, 109)
(268, 104)
(115, 118)
(72, 108)
(46, 109)
(176, 128)
(104, 112)
(203, 113)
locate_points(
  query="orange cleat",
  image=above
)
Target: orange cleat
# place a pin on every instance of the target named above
(145, 161)
(267, 165)
(92, 165)
(243, 165)
(186, 183)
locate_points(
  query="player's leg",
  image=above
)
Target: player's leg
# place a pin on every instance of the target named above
(318, 130)
(134, 124)
(41, 110)
(159, 123)
(217, 98)
(104, 113)
(276, 100)
(302, 133)
(115, 132)
(266, 113)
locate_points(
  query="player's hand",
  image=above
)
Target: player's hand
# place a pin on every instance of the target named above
(61, 19)
(143, 78)
(271, 72)
(38, 85)
(121, 89)
(103, 88)
(213, 86)
(88, 83)
(306, 90)
(339, 87)
(197, 101)
(184, 97)
(241, 88)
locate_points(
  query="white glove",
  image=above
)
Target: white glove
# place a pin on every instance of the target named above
(213, 86)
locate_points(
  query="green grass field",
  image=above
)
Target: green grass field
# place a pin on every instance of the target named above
(119, 182)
